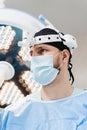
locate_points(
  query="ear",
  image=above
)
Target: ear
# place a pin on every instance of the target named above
(65, 55)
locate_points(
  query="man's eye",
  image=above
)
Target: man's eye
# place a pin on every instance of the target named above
(42, 51)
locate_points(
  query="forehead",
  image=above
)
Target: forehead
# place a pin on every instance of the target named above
(42, 46)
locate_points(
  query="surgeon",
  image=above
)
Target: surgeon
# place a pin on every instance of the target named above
(58, 105)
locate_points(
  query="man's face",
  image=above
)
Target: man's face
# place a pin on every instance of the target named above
(45, 49)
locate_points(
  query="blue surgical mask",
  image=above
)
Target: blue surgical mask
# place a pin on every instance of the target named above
(43, 70)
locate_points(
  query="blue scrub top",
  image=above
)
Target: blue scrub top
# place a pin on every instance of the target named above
(64, 114)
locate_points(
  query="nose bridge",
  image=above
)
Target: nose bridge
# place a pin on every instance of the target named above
(34, 51)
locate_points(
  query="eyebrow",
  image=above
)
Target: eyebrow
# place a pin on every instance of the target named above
(38, 47)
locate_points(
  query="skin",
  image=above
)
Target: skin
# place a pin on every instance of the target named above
(61, 86)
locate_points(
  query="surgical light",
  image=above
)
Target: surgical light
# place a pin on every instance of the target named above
(12, 23)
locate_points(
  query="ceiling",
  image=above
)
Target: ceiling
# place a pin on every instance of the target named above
(69, 16)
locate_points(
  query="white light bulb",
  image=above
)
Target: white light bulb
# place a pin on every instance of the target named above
(6, 71)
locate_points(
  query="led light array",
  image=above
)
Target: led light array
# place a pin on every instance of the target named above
(28, 82)
(6, 37)
(10, 93)
(24, 53)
